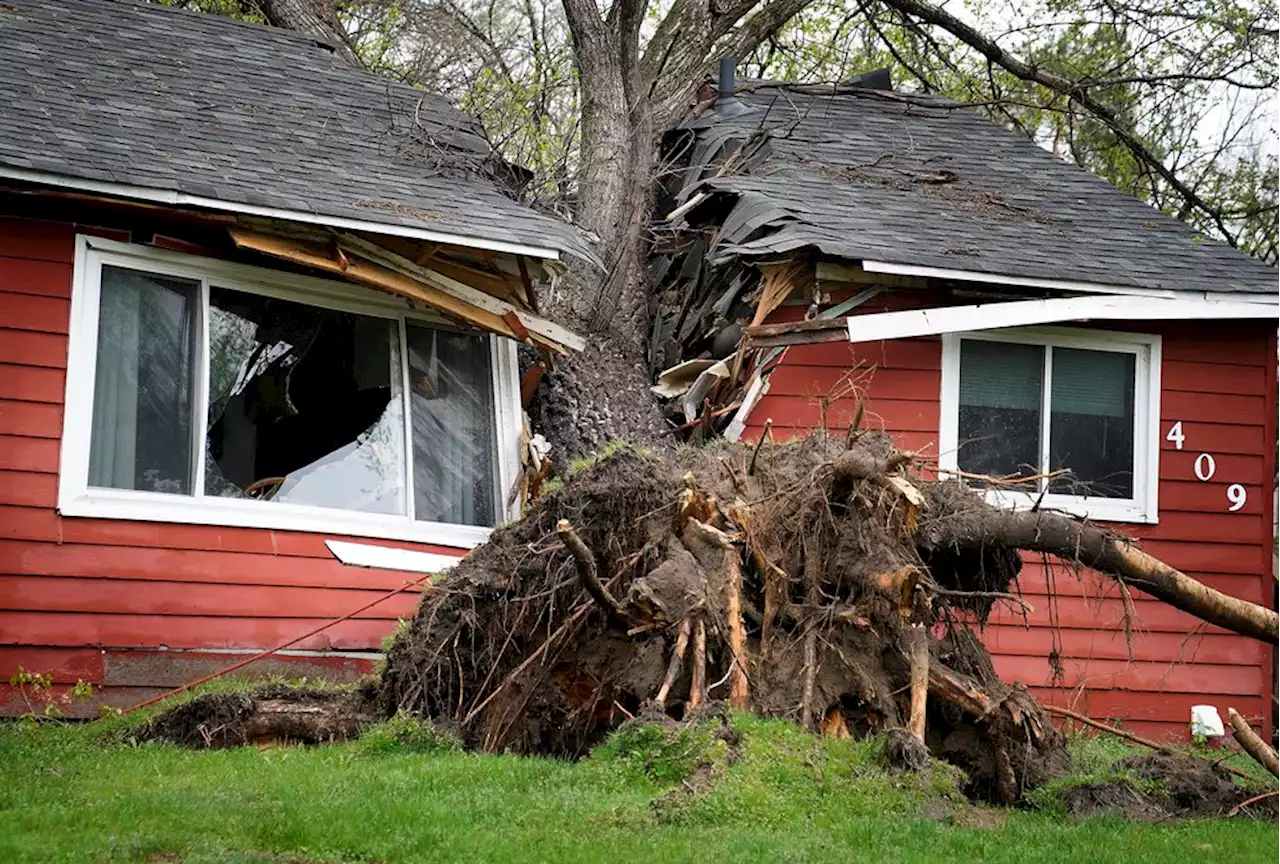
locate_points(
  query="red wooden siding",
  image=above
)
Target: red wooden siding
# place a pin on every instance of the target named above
(97, 599)
(1219, 379)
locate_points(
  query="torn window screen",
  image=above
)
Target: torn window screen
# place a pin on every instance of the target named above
(454, 431)
(304, 405)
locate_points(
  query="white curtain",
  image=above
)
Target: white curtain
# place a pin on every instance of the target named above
(454, 447)
(112, 452)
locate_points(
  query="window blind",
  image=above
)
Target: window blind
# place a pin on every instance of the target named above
(1099, 383)
(1001, 374)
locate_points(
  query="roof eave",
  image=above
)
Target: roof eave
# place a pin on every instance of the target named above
(897, 269)
(175, 198)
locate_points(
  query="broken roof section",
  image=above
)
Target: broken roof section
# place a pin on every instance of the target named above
(186, 109)
(876, 176)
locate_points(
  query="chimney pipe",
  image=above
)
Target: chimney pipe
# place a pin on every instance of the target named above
(726, 105)
(724, 86)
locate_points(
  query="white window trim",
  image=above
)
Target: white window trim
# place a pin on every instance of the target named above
(77, 498)
(1144, 506)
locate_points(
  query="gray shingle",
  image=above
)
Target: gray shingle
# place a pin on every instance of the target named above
(863, 177)
(174, 100)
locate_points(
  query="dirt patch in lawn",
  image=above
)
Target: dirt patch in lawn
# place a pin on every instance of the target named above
(1158, 786)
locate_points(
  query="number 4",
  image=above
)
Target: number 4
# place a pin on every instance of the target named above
(1175, 435)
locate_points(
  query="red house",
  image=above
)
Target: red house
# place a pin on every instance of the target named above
(852, 252)
(258, 313)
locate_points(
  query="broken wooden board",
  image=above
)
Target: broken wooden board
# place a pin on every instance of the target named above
(460, 305)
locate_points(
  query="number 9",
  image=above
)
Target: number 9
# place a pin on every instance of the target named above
(1237, 495)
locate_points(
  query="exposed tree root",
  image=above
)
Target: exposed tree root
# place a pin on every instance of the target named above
(266, 716)
(819, 580)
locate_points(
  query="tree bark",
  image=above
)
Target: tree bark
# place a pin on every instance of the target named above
(1075, 541)
(1252, 743)
(313, 17)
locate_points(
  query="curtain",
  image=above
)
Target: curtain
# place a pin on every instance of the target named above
(112, 451)
(454, 435)
(141, 428)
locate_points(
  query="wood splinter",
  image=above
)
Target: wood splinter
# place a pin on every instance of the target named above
(739, 687)
(698, 684)
(586, 565)
(673, 668)
(919, 679)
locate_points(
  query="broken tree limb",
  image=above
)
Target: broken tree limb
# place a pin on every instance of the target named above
(586, 566)
(1249, 802)
(739, 687)
(959, 690)
(812, 571)
(1252, 743)
(698, 682)
(673, 667)
(919, 679)
(1076, 541)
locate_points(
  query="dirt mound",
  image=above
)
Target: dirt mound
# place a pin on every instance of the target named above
(272, 714)
(1166, 785)
(792, 581)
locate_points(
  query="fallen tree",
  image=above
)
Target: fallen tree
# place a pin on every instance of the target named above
(818, 581)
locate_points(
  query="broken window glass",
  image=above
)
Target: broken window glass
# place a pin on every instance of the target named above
(305, 405)
(454, 431)
(141, 435)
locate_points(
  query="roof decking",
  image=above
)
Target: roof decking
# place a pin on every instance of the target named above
(248, 116)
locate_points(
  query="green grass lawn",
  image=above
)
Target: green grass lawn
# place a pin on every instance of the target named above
(83, 794)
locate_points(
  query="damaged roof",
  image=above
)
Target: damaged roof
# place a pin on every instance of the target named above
(874, 176)
(245, 116)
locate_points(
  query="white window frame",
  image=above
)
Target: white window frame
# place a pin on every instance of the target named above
(1143, 507)
(77, 498)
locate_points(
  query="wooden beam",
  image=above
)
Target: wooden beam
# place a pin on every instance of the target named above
(1019, 313)
(542, 330)
(372, 275)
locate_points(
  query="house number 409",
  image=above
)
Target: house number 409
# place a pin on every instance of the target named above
(1206, 467)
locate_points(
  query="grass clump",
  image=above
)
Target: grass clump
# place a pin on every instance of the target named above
(405, 733)
(665, 754)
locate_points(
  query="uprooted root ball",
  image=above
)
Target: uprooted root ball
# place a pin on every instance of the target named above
(786, 582)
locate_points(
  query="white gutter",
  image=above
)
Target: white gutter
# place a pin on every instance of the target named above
(1019, 313)
(182, 199)
(890, 267)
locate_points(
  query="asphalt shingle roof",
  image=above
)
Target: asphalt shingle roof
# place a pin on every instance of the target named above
(138, 94)
(864, 177)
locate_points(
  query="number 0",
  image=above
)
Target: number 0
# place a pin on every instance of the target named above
(1205, 467)
(1237, 495)
(1175, 435)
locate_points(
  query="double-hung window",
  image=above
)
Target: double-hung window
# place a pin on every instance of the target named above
(1060, 416)
(208, 392)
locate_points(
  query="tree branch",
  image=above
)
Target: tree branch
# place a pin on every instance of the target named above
(762, 24)
(1076, 91)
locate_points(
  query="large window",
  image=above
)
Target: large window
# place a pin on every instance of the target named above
(1063, 417)
(222, 394)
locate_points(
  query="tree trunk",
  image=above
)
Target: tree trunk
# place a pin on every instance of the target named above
(602, 394)
(313, 17)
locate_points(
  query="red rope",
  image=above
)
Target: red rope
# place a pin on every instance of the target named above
(240, 665)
